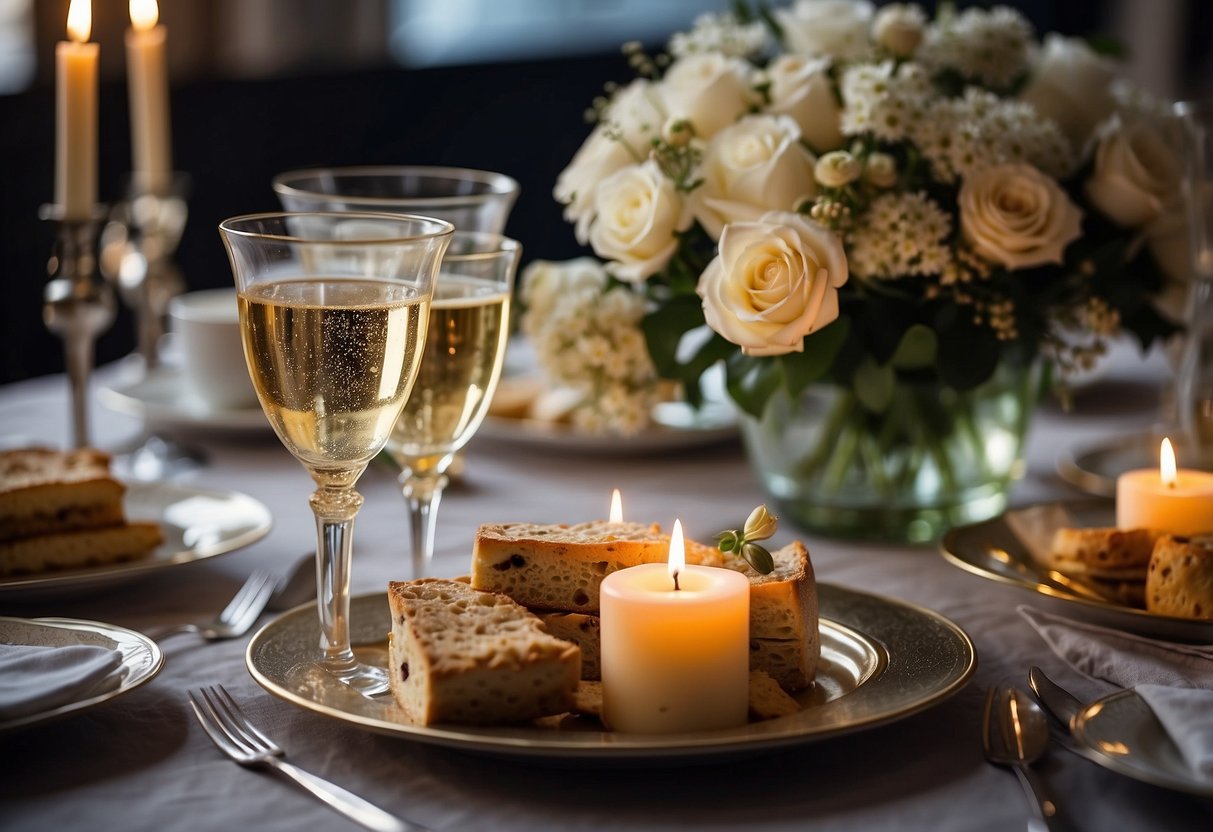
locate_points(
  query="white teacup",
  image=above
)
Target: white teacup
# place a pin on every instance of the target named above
(207, 328)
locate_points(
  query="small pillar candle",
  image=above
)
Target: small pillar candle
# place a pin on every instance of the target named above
(675, 646)
(76, 115)
(147, 81)
(1168, 498)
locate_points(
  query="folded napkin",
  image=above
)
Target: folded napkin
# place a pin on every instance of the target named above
(34, 679)
(1175, 680)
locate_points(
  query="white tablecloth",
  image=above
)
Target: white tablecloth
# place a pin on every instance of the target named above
(141, 761)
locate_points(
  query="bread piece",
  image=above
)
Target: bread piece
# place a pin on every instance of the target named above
(44, 491)
(460, 655)
(581, 629)
(70, 550)
(561, 567)
(588, 700)
(1107, 553)
(1179, 580)
(767, 699)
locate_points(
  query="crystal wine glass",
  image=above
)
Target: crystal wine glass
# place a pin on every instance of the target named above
(1195, 382)
(333, 314)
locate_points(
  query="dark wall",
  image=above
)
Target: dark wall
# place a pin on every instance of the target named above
(233, 136)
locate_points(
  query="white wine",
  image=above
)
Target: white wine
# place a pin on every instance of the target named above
(465, 347)
(333, 361)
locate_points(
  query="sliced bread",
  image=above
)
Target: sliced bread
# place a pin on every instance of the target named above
(72, 550)
(44, 491)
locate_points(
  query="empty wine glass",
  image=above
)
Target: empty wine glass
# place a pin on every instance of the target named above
(1194, 391)
(333, 312)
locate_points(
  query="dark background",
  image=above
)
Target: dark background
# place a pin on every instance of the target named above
(232, 135)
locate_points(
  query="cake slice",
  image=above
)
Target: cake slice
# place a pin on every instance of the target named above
(77, 549)
(460, 655)
(44, 491)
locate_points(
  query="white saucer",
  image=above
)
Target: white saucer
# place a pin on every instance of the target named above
(161, 399)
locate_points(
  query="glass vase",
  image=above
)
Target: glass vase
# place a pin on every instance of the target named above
(932, 458)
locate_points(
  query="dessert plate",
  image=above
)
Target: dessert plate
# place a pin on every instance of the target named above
(161, 399)
(882, 660)
(1122, 734)
(197, 524)
(1001, 549)
(141, 659)
(1094, 468)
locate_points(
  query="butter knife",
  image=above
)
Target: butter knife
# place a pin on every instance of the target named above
(1063, 706)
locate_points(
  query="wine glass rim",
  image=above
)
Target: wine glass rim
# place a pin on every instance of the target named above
(441, 228)
(496, 245)
(499, 184)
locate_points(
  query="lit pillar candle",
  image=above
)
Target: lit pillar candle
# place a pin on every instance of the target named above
(616, 515)
(1170, 499)
(148, 84)
(675, 646)
(76, 115)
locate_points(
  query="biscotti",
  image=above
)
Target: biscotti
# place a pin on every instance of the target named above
(44, 491)
(1106, 553)
(72, 550)
(460, 655)
(1179, 580)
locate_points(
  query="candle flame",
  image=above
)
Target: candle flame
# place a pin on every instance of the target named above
(80, 20)
(616, 507)
(678, 552)
(1166, 463)
(144, 14)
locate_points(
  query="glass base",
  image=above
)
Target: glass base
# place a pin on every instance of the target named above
(364, 678)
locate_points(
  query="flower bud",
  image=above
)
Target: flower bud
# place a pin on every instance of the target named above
(676, 132)
(898, 29)
(760, 525)
(881, 170)
(836, 169)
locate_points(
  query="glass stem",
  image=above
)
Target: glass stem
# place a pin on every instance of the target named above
(423, 495)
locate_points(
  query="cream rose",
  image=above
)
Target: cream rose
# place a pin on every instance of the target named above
(898, 29)
(1135, 170)
(708, 89)
(637, 212)
(801, 88)
(1016, 216)
(831, 28)
(620, 140)
(749, 168)
(1071, 85)
(773, 282)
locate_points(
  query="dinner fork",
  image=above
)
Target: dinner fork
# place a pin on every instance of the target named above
(239, 614)
(228, 727)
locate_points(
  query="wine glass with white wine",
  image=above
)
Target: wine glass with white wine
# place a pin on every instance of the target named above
(460, 367)
(334, 309)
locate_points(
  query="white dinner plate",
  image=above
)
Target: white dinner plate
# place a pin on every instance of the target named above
(1123, 734)
(882, 660)
(197, 524)
(1001, 549)
(161, 399)
(141, 658)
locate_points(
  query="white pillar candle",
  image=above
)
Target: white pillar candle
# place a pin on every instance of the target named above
(147, 80)
(1168, 498)
(76, 116)
(675, 659)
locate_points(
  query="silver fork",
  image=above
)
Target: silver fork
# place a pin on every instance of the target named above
(239, 614)
(238, 738)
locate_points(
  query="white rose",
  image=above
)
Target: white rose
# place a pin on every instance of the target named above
(801, 88)
(880, 170)
(773, 282)
(1135, 170)
(708, 89)
(749, 168)
(1071, 85)
(837, 169)
(637, 214)
(898, 28)
(833, 28)
(1016, 216)
(620, 140)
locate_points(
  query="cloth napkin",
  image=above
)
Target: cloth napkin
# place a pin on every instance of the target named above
(35, 678)
(1175, 680)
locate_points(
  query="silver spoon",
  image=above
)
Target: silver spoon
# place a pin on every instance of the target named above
(1015, 733)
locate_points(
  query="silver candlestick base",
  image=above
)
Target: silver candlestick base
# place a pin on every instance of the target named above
(76, 305)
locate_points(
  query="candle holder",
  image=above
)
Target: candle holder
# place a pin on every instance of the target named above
(137, 248)
(76, 306)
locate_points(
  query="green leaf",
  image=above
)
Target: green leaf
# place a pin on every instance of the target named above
(1109, 46)
(874, 384)
(758, 557)
(800, 369)
(727, 540)
(664, 327)
(968, 353)
(752, 381)
(917, 349)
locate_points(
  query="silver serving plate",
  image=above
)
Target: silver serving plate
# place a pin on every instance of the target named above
(882, 660)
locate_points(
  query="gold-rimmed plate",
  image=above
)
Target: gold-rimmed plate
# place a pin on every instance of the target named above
(1095, 467)
(1001, 549)
(882, 660)
(197, 524)
(141, 659)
